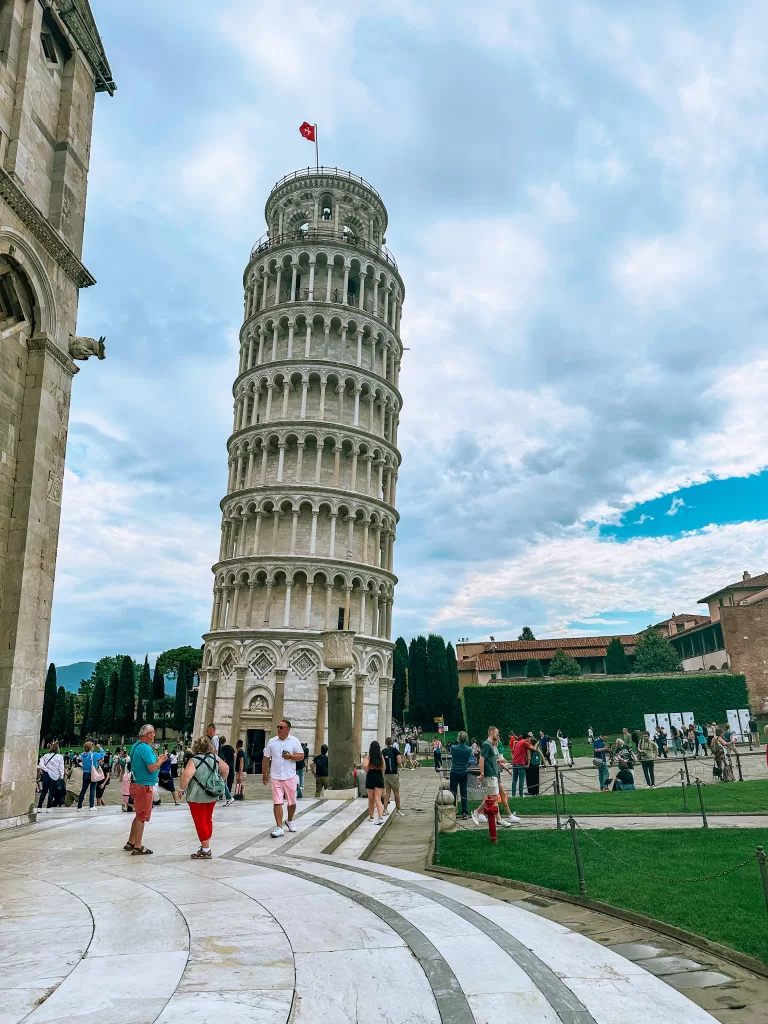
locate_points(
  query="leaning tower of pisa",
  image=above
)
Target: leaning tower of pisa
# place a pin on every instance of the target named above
(309, 517)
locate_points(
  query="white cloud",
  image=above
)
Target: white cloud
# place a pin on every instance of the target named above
(643, 519)
(674, 508)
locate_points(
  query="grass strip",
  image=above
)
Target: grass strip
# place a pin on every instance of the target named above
(730, 909)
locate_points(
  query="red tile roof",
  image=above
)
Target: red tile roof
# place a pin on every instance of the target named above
(684, 618)
(753, 583)
(522, 650)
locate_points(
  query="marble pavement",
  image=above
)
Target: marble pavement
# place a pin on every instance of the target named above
(278, 930)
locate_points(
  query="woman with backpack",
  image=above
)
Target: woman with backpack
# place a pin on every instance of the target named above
(203, 779)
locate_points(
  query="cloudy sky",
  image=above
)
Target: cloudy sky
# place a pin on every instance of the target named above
(578, 205)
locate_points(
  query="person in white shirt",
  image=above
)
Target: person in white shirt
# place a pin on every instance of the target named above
(279, 761)
(51, 766)
(211, 734)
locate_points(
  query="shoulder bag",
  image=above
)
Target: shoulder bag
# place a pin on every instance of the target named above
(97, 775)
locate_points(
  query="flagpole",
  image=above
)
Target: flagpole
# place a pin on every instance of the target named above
(317, 158)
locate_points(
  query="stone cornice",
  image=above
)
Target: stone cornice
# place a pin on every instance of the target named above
(305, 491)
(42, 343)
(318, 308)
(339, 566)
(313, 426)
(286, 635)
(313, 365)
(78, 18)
(18, 200)
(326, 182)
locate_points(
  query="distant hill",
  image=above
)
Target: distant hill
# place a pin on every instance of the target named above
(70, 676)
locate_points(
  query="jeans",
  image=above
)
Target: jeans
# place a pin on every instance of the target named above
(624, 785)
(92, 796)
(532, 779)
(518, 775)
(300, 790)
(459, 782)
(49, 788)
(438, 760)
(604, 775)
(648, 772)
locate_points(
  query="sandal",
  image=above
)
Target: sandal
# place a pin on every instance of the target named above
(129, 846)
(140, 851)
(201, 854)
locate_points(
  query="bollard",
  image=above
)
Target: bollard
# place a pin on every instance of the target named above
(738, 765)
(685, 795)
(437, 834)
(562, 792)
(577, 855)
(557, 808)
(701, 804)
(687, 774)
(761, 861)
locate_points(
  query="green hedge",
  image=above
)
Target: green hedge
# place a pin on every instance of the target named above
(607, 705)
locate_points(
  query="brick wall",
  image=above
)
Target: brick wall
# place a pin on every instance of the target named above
(745, 630)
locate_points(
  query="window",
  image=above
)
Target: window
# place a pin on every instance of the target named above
(340, 623)
(49, 50)
(679, 626)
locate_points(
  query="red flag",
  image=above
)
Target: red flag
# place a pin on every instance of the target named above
(308, 131)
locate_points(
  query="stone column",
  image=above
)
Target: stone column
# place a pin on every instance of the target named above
(360, 678)
(238, 705)
(210, 699)
(277, 707)
(337, 654)
(388, 716)
(382, 723)
(322, 708)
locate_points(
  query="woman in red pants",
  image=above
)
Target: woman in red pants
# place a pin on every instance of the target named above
(203, 781)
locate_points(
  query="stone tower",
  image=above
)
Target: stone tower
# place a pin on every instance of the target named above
(51, 65)
(309, 517)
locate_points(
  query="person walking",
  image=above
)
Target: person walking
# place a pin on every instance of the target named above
(491, 781)
(210, 732)
(145, 769)
(227, 753)
(320, 770)
(533, 768)
(461, 753)
(551, 750)
(392, 762)
(102, 784)
(519, 764)
(281, 755)
(239, 793)
(437, 754)
(51, 767)
(600, 761)
(203, 782)
(373, 763)
(91, 773)
(301, 767)
(590, 734)
(647, 751)
(721, 750)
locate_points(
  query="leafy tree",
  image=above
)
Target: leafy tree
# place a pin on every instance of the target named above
(125, 699)
(107, 717)
(417, 682)
(616, 663)
(95, 708)
(158, 683)
(169, 661)
(180, 702)
(563, 665)
(59, 720)
(533, 669)
(654, 653)
(84, 722)
(399, 669)
(69, 719)
(437, 680)
(527, 634)
(145, 694)
(49, 703)
(456, 720)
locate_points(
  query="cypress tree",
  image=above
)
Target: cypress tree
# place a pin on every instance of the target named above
(49, 702)
(125, 700)
(145, 694)
(180, 701)
(107, 717)
(95, 707)
(84, 724)
(563, 665)
(59, 720)
(69, 719)
(452, 674)
(436, 679)
(533, 669)
(616, 663)
(418, 711)
(399, 668)
(158, 683)
(526, 634)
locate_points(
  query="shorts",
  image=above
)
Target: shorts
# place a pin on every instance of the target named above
(491, 786)
(284, 789)
(321, 783)
(392, 782)
(142, 801)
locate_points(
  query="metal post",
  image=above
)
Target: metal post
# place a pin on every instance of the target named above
(738, 765)
(557, 808)
(577, 855)
(685, 795)
(761, 861)
(562, 792)
(701, 804)
(687, 773)
(437, 833)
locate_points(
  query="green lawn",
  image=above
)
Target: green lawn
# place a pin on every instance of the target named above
(718, 797)
(730, 910)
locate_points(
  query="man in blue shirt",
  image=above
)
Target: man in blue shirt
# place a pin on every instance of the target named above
(601, 751)
(145, 768)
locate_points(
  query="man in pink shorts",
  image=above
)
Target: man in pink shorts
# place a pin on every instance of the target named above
(280, 757)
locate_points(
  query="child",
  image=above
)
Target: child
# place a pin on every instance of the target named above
(127, 802)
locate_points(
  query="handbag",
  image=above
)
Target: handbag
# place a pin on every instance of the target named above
(97, 775)
(598, 762)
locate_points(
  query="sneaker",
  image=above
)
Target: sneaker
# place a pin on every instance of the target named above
(505, 822)
(291, 826)
(379, 821)
(276, 832)
(231, 801)
(464, 817)
(513, 818)
(370, 817)
(401, 813)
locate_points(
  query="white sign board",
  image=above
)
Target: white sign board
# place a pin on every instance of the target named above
(733, 723)
(650, 724)
(677, 720)
(688, 718)
(744, 717)
(663, 721)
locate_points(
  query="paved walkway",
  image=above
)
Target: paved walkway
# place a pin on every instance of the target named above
(278, 931)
